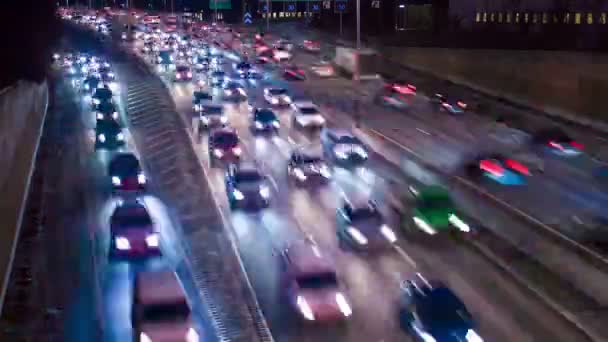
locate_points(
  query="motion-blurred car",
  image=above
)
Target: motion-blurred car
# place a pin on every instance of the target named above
(212, 115)
(200, 97)
(500, 169)
(234, 91)
(432, 312)
(557, 142)
(277, 96)
(243, 68)
(165, 57)
(306, 114)
(308, 168)
(264, 120)
(108, 135)
(201, 65)
(323, 69)
(309, 278)
(100, 96)
(344, 148)
(106, 111)
(182, 73)
(126, 173)
(294, 73)
(133, 233)
(361, 226)
(160, 309)
(107, 75)
(247, 187)
(90, 83)
(397, 95)
(218, 78)
(224, 146)
(449, 105)
(283, 44)
(311, 46)
(281, 54)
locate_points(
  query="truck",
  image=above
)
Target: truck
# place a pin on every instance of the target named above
(356, 63)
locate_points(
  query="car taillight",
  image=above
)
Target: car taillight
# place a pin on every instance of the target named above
(461, 104)
(491, 167)
(576, 145)
(412, 87)
(517, 166)
(301, 71)
(556, 145)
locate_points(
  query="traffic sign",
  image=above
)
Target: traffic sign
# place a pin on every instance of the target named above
(340, 6)
(247, 18)
(315, 8)
(291, 7)
(375, 3)
(327, 4)
(265, 8)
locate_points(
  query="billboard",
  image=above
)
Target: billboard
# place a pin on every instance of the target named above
(220, 4)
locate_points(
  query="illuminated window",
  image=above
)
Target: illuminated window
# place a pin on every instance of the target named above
(603, 18)
(281, 15)
(526, 17)
(492, 17)
(577, 18)
(509, 17)
(545, 18)
(517, 18)
(274, 14)
(500, 17)
(567, 18)
(535, 18)
(300, 14)
(485, 17)
(590, 18)
(477, 17)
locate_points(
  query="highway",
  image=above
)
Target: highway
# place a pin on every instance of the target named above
(372, 280)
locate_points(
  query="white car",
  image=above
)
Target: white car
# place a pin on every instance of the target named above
(281, 55)
(277, 96)
(307, 114)
(323, 69)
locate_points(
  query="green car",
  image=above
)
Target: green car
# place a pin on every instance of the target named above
(433, 211)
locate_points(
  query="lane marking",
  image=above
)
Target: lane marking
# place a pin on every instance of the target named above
(422, 131)
(406, 257)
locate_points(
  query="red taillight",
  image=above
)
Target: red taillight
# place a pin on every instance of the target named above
(491, 167)
(517, 166)
(412, 87)
(301, 71)
(556, 145)
(576, 145)
(461, 104)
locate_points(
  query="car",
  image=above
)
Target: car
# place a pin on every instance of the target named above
(101, 95)
(90, 83)
(397, 94)
(280, 54)
(108, 134)
(201, 65)
(217, 59)
(264, 120)
(126, 173)
(243, 68)
(452, 106)
(148, 47)
(182, 73)
(430, 311)
(361, 225)
(557, 142)
(431, 211)
(218, 78)
(165, 57)
(311, 45)
(277, 96)
(224, 146)
(200, 97)
(107, 75)
(343, 148)
(500, 169)
(306, 114)
(305, 167)
(160, 309)
(132, 230)
(310, 281)
(106, 111)
(234, 91)
(294, 73)
(212, 115)
(283, 44)
(247, 187)
(323, 69)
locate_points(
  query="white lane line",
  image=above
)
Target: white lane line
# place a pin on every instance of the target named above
(422, 131)
(274, 183)
(406, 257)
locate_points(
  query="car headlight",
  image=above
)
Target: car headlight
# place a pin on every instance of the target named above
(425, 227)
(178, 76)
(287, 99)
(152, 240)
(426, 337)
(238, 195)
(122, 243)
(99, 116)
(204, 119)
(274, 100)
(189, 74)
(228, 92)
(299, 174)
(357, 235)
(325, 172)
(87, 87)
(388, 233)
(341, 154)
(360, 151)
(472, 336)
(116, 181)
(259, 125)
(304, 308)
(276, 124)
(141, 179)
(237, 151)
(192, 335)
(144, 338)
(223, 119)
(120, 137)
(115, 115)
(264, 191)
(343, 305)
(96, 101)
(101, 137)
(458, 223)
(218, 153)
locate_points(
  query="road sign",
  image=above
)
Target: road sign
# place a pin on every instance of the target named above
(247, 18)
(291, 7)
(265, 8)
(327, 4)
(315, 8)
(375, 3)
(341, 6)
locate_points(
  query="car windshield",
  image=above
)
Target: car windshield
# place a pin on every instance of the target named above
(106, 108)
(265, 116)
(125, 162)
(218, 74)
(309, 110)
(226, 140)
(132, 217)
(213, 110)
(201, 96)
(247, 177)
(232, 85)
(182, 69)
(317, 281)
(442, 311)
(311, 159)
(277, 91)
(244, 66)
(103, 93)
(364, 213)
(169, 312)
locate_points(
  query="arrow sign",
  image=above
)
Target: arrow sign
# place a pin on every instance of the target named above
(247, 18)
(316, 7)
(340, 6)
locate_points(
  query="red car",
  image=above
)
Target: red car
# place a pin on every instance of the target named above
(133, 232)
(294, 73)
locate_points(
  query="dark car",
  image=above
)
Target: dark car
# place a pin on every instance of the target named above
(344, 148)
(558, 142)
(133, 232)
(224, 146)
(182, 73)
(200, 97)
(126, 174)
(307, 168)
(101, 95)
(432, 312)
(361, 226)
(90, 84)
(234, 91)
(264, 120)
(106, 111)
(294, 73)
(246, 187)
(243, 69)
(212, 115)
(108, 134)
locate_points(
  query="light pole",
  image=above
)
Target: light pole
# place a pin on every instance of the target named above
(358, 24)
(267, 15)
(215, 18)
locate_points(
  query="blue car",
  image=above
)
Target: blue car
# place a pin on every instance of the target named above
(247, 187)
(432, 312)
(556, 141)
(502, 170)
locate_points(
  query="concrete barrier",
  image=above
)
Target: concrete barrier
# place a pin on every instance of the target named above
(23, 109)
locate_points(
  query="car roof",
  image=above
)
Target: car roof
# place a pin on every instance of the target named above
(159, 287)
(442, 310)
(340, 133)
(434, 192)
(357, 200)
(305, 104)
(306, 258)
(124, 157)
